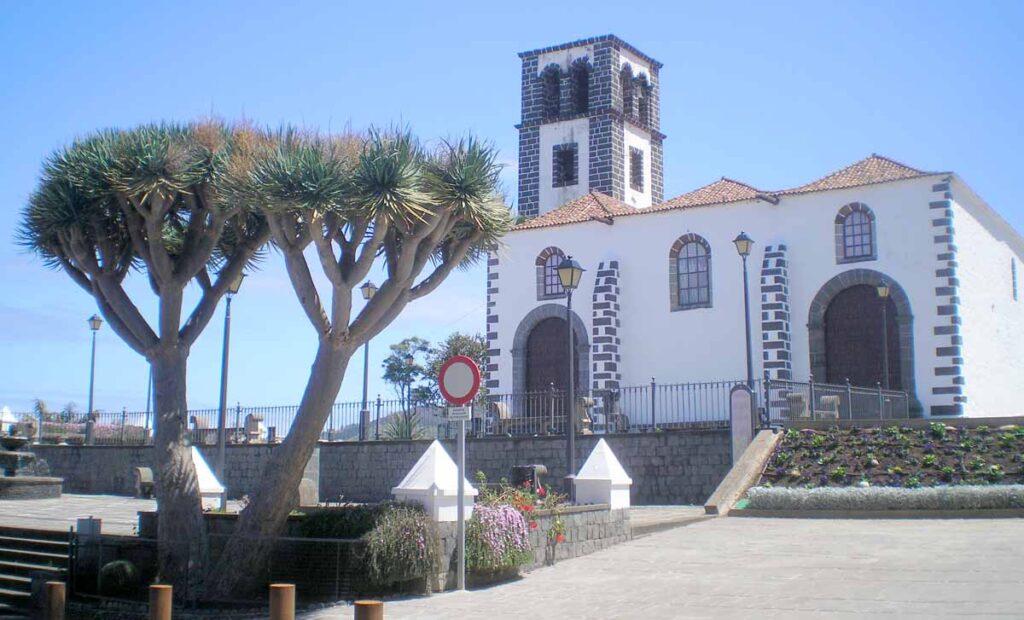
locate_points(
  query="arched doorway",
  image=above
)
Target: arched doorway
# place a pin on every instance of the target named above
(855, 321)
(547, 356)
(858, 338)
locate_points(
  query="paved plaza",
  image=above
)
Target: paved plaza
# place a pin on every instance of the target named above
(765, 568)
(712, 568)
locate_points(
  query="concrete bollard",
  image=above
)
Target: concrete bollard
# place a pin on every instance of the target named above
(369, 610)
(282, 601)
(54, 600)
(160, 601)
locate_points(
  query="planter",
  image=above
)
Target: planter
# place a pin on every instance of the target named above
(13, 443)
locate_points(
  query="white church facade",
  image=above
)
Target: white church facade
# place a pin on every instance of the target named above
(663, 293)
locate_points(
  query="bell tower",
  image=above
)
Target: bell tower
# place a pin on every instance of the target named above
(590, 121)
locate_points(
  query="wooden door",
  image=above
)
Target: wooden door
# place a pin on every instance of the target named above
(854, 338)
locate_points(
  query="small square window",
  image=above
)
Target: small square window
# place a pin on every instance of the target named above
(636, 169)
(565, 165)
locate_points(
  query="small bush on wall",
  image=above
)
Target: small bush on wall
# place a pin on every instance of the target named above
(404, 546)
(497, 539)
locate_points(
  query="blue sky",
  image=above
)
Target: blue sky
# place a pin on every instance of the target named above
(773, 94)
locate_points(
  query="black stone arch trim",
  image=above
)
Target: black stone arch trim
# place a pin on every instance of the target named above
(673, 272)
(541, 259)
(840, 233)
(904, 321)
(526, 325)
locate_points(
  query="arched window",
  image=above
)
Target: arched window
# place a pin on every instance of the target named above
(551, 82)
(855, 234)
(643, 101)
(626, 83)
(690, 273)
(580, 74)
(548, 284)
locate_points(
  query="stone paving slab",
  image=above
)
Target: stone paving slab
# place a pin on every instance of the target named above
(765, 568)
(119, 513)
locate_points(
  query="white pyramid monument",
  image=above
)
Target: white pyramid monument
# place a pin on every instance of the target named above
(434, 482)
(602, 480)
(210, 489)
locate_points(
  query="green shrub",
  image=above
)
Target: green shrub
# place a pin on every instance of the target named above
(938, 430)
(405, 545)
(119, 578)
(345, 522)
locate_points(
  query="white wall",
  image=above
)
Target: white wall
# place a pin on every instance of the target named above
(564, 58)
(638, 139)
(578, 131)
(993, 323)
(708, 344)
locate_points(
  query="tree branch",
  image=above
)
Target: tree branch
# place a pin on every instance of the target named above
(299, 275)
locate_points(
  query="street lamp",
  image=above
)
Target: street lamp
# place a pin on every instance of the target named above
(743, 244)
(222, 410)
(569, 274)
(883, 294)
(95, 322)
(369, 289)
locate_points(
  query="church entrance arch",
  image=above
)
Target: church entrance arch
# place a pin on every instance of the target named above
(540, 351)
(846, 332)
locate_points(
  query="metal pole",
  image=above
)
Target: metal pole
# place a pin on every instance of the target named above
(460, 514)
(746, 316)
(377, 431)
(570, 416)
(149, 402)
(92, 381)
(364, 412)
(885, 344)
(222, 410)
(654, 413)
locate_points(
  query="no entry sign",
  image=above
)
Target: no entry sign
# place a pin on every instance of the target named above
(459, 380)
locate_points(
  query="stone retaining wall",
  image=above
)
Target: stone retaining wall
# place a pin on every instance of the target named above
(670, 467)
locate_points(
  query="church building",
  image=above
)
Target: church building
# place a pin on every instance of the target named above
(663, 292)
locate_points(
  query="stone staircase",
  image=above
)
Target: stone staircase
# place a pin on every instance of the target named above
(25, 553)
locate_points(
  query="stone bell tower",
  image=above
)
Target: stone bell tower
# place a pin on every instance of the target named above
(591, 116)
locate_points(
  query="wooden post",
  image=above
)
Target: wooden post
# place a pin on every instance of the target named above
(160, 597)
(54, 600)
(282, 601)
(368, 610)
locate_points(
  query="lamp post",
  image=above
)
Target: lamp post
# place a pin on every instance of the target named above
(95, 322)
(409, 361)
(569, 274)
(743, 244)
(368, 290)
(223, 408)
(883, 294)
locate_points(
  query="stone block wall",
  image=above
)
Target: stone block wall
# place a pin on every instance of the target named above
(587, 530)
(671, 467)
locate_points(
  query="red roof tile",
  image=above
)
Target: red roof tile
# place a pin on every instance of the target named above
(597, 206)
(869, 171)
(588, 207)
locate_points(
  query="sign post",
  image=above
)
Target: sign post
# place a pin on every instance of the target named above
(459, 382)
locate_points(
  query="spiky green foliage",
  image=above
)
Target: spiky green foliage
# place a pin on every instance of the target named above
(381, 196)
(152, 198)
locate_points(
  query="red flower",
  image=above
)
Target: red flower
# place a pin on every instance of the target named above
(560, 538)
(533, 525)
(528, 508)
(526, 483)
(541, 492)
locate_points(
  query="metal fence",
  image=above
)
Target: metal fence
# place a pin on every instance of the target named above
(793, 400)
(631, 409)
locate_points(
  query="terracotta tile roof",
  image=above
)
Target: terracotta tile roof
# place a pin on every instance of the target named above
(868, 171)
(588, 207)
(721, 191)
(597, 206)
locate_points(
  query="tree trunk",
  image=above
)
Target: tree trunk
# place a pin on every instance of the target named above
(182, 534)
(243, 562)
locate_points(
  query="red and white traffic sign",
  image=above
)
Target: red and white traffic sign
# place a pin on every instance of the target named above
(459, 380)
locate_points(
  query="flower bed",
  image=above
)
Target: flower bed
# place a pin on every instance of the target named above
(894, 456)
